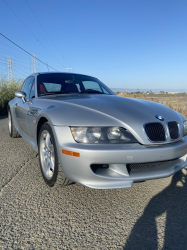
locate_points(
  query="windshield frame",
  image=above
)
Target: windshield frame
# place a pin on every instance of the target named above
(51, 75)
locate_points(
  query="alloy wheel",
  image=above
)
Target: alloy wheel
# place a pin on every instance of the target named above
(47, 155)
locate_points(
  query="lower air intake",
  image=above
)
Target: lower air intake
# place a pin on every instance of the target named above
(141, 166)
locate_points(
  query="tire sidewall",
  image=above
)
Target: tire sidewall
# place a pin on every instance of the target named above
(51, 181)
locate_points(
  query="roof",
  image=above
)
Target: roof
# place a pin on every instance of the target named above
(39, 73)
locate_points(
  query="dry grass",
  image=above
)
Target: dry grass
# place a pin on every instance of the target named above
(175, 102)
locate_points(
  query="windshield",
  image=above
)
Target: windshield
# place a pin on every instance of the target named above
(59, 83)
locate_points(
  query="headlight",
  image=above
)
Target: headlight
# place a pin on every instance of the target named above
(113, 133)
(93, 134)
(102, 135)
(184, 128)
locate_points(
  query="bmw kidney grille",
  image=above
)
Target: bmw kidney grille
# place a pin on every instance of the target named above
(155, 132)
(173, 130)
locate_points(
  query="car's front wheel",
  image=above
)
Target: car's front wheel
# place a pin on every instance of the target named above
(50, 167)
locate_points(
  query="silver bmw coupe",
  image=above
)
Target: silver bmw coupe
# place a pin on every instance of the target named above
(84, 133)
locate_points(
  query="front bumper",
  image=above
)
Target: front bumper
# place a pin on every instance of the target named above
(78, 169)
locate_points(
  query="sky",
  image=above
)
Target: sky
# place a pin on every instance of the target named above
(125, 43)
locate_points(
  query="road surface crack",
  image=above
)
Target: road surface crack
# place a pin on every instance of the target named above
(21, 167)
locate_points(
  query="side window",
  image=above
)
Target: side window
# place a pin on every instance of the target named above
(22, 89)
(28, 85)
(32, 93)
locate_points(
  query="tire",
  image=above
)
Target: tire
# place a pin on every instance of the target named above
(11, 128)
(48, 157)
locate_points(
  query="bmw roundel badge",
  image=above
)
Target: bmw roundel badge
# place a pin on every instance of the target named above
(159, 117)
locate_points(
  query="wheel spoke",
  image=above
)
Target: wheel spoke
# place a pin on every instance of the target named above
(46, 158)
(48, 172)
(51, 148)
(51, 166)
(46, 164)
(45, 154)
(49, 145)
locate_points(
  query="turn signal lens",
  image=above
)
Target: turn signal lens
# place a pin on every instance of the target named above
(66, 152)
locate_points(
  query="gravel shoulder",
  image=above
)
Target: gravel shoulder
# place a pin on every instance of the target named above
(150, 215)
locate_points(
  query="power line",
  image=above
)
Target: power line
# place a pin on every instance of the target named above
(12, 48)
(42, 67)
(25, 61)
(25, 73)
(17, 62)
(16, 67)
(26, 51)
(47, 67)
(7, 51)
(31, 32)
(23, 66)
(46, 32)
(27, 66)
(21, 61)
(21, 73)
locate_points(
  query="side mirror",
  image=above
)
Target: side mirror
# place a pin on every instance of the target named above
(20, 94)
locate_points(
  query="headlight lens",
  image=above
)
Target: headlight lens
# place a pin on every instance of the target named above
(93, 134)
(79, 134)
(102, 135)
(113, 133)
(185, 128)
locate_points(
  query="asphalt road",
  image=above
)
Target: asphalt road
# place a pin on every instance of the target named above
(150, 215)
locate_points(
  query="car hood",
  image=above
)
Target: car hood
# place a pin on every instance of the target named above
(109, 110)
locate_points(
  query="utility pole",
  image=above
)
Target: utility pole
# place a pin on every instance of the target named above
(34, 66)
(10, 71)
(69, 69)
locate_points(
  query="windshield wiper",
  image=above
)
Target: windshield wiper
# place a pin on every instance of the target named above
(64, 92)
(93, 92)
(54, 93)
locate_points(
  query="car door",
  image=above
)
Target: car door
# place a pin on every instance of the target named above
(22, 107)
(32, 114)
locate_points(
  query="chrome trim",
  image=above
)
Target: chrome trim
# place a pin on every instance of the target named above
(165, 129)
(179, 134)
